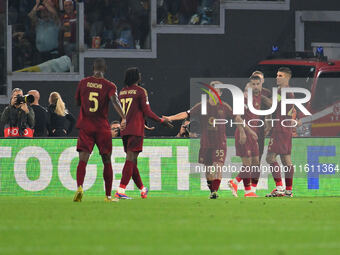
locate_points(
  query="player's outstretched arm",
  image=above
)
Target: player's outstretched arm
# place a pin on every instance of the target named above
(149, 113)
(119, 110)
(178, 116)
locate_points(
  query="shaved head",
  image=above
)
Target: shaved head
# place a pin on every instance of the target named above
(36, 95)
(99, 65)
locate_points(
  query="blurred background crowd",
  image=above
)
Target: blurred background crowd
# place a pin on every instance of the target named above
(44, 30)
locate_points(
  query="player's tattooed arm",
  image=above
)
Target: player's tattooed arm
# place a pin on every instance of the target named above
(119, 110)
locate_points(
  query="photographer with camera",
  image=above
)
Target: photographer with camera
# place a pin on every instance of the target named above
(18, 116)
(185, 129)
(115, 128)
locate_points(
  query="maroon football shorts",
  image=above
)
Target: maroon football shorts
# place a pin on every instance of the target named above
(209, 156)
(280, 143)
(87, 140)
(133, 143)
(249, 149)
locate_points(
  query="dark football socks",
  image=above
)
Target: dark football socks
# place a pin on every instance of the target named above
(108, 176)
(81, 171)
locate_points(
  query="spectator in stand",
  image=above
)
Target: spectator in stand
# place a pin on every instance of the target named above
(188, 9)
(161, 12)
(124, 35)
(184, 130)
(139, 20)
(173, 9)
(40, 115)
(46, 23)
(209, 12)
(60, 121)
(22, 48)
(94, 13)
(69, 28)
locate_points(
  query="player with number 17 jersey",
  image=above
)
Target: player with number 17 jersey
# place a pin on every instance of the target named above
(134, 100)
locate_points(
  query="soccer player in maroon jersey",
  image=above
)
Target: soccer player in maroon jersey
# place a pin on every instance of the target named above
(136, 106)
(213, 142)
(281, 140)
(260, 131)
(249, 151)
(93, 95)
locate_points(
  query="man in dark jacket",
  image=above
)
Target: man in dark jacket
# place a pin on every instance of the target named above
(40, 115)
(18, 117)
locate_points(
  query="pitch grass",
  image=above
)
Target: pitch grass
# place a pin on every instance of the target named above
(195, 225)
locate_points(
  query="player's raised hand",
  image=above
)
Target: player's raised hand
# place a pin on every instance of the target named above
(166, 117)
(123, 124)
(166, 122)
(243, 137)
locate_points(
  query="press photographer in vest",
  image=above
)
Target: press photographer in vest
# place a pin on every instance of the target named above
(18, 116)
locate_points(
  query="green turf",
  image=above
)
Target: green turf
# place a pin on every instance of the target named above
(195, 225)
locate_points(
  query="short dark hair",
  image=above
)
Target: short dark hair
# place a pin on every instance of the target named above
(114, 122)
(132, 76)
(99, 64)
(255, 77)
(285, 70)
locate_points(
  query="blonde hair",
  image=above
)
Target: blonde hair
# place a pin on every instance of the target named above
(56, 99)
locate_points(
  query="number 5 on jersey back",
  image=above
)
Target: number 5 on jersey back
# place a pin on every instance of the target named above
(93, 98)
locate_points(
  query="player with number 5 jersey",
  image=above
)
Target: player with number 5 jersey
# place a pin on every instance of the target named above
(93, 95)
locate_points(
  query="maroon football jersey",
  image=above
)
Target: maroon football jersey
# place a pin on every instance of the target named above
(212, 137)
(248, 115)
(289, 112)
(134, 100)
(94, 95)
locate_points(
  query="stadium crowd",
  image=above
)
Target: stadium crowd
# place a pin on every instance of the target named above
(43, 30)
(183, 12)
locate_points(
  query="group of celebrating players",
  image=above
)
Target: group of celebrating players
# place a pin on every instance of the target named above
(95, 92)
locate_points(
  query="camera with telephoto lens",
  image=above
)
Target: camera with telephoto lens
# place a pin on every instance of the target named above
(24, 99)
(118, 131)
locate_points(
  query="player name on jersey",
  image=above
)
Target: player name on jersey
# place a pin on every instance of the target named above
(94, 85)
(128, 92)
